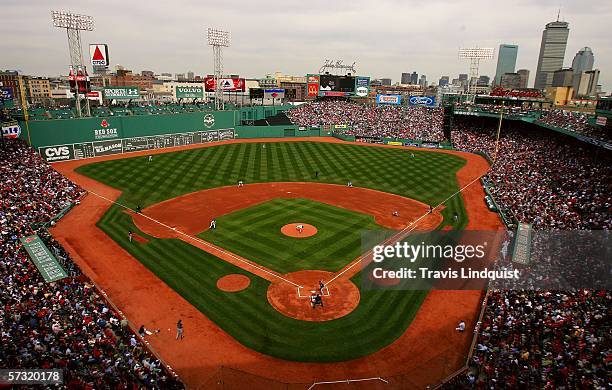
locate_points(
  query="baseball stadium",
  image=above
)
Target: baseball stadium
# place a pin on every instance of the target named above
(235, 237)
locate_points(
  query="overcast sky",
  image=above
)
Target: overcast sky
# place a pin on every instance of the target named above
(384, 37)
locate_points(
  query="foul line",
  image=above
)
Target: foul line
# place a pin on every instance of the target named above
(200, 241)
(397, 237)
(299, 294)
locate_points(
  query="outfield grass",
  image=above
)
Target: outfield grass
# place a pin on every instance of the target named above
(254, 233)
(381, 316)
(428, 177)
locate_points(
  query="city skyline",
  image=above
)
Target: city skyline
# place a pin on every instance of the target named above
(171, 38)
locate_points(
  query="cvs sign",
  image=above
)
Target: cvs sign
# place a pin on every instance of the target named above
(57, 153)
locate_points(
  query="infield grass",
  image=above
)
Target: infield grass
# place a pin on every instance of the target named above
(255, 233)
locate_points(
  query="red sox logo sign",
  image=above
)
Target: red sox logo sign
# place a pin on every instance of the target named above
(209, 120)
(29, 239)
(104, 123)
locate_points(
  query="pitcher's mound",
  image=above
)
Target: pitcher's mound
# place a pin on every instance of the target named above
(291, 230)
(233, 283)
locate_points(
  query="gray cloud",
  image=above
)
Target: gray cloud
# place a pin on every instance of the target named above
(384, 37)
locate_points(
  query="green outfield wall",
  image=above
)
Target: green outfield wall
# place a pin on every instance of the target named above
(69, 131)
(68, 139)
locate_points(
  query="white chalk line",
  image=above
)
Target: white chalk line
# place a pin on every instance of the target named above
(403, 233)
(200, 241)
(324, 294)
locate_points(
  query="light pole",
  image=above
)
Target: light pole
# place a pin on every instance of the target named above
(218, 39)
(475, 55)
(74, 24)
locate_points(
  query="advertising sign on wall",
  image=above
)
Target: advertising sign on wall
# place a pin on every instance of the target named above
(104, 148)
(362, 86)
(105, 130)
(6, 93)
(125, 145)
(189, 92)
(426, 101)
(334, 93)
(121, 93)
(368, 139)
(313, 84)
(57, 153)
(227, 84)
(389, 99)
(47, 264)
(274, 93)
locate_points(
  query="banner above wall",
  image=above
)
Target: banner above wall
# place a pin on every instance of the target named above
(389, 99)
(427, 101)
(121, 93)
(227, 84)
(189, 92)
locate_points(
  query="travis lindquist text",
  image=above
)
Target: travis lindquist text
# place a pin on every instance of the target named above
(463, 273)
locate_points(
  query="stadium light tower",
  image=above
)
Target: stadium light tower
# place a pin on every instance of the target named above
(74, 24)
(475, 55)
(218, 39)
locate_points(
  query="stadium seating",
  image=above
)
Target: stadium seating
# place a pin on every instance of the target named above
(542, 339)
(67, 324)
(418, 123)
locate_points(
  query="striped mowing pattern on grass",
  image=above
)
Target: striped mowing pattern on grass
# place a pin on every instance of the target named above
(381, 317)
(254, 233)
(428, 177)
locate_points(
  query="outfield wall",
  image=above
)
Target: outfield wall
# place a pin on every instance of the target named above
(69, 131)
(276, 131)
(68, 139)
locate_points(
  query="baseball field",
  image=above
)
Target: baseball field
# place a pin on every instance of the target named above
(267, 308)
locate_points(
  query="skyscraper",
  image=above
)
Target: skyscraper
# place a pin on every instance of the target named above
(552, 52)
(506, 60)
(405, 78)
(443, 81)
(587, 84)
(414, 78)
(423, 81)
(524, 75)
(510, 80)
(583, 62)
(563, 77)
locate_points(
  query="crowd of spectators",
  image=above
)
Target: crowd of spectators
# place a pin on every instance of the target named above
(538, 338)
(575, 121)
(544, 178)
(67, 324)
(416, 123)
(542, 339)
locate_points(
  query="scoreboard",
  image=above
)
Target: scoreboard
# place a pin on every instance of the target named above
(337, 85)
